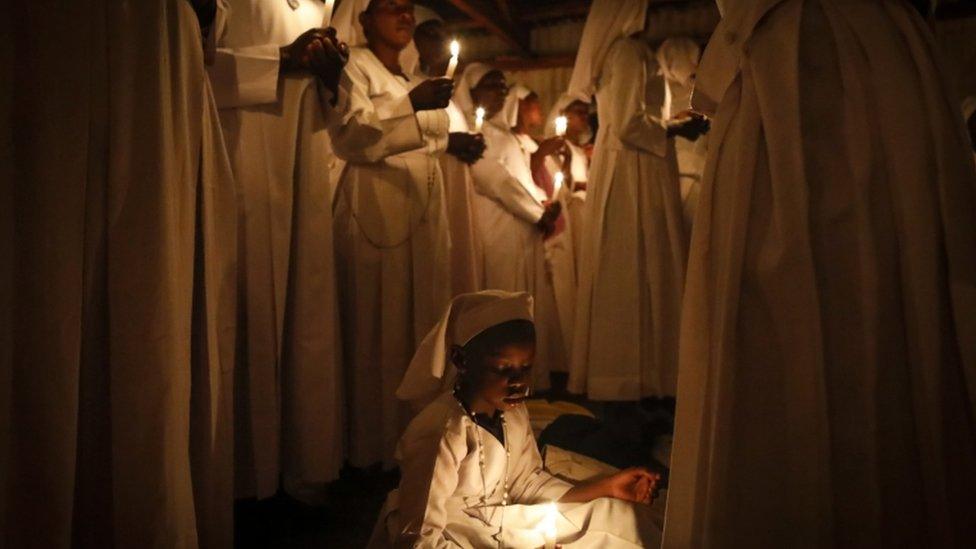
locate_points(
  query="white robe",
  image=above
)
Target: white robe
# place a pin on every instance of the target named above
(633, 255)
(691, 157)
(459, 200)
(290, 397)
(438, 503)
(393, 242)
(118, 329)
(828, 345)
(508, 205)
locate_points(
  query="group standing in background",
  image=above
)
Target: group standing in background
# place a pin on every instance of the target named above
(247, 246)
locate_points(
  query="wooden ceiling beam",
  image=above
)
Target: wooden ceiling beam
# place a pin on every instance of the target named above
(487, 17)
(568, 9)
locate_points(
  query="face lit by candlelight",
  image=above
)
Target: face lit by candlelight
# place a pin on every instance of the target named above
(390, 22)
(431, 40)
(494, 367)
(490, 92)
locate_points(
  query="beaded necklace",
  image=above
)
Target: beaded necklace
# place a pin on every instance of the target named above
(484, 469)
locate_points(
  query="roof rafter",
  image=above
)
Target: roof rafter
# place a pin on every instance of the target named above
(487, 16)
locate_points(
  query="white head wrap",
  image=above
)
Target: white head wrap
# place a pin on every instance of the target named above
(349, 30)
(469, 78)
(431, 372)
(508, 116)
(678, 59)
(607, 21)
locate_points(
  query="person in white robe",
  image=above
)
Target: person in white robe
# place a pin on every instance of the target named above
(579, 135)
(471, 473)
(464, 148)
(828, 344)
(274, 75)
(678, 60)
(632, 262)
(555, 293)
(512, 213)
(391, 230)
(118, 324)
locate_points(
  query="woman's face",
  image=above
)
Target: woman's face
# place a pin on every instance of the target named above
(530, 112)
(577, 119)
(501, 378)
(490, 92)
(432, 44)
(390, 22)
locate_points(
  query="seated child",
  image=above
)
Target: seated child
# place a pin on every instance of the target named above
(471, 471)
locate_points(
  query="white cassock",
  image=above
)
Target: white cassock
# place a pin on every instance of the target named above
(392, 240)
(828, 353)
(290, 397)
(438, 503)
(574, 200)
(118, 322)
(459, 202)
(508, 206)
(632, 260)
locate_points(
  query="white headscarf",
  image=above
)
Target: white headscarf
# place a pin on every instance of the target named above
(607, 21)
(508, 116)
(678, 59)
(469, 78)
(431, 372)
(349, 30)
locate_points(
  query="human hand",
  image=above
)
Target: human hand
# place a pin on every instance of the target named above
(635, 484)
(319, 52)
(432, 94)
(553, 145)
(691, 127)
(547, 223)
(467, 147)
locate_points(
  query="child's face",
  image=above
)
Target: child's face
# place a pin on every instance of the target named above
(502, 377)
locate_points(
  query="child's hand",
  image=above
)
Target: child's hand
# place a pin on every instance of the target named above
(635, 484)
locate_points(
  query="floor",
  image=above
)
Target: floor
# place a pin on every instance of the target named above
(355, 499)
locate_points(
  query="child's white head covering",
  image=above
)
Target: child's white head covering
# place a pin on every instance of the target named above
(678, 58)
(349, 30)
(608, 21)
(469, 78)
(430, 372)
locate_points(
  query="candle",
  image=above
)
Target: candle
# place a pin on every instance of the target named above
(327, 17)
(561, 126)
(479, 118)
(548, 525)
(557, 182)
(453, 63)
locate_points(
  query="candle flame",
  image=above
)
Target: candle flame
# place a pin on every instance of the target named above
(561, 124)
(558, 180)
(479, 113)
(455, 48)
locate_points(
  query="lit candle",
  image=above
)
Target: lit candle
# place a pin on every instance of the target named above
(561, 126)
(479, 118)
(453, 63)
(327, 17)
(557, 182)
(548, 525)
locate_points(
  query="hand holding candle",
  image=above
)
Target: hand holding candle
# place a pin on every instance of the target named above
(479, 118)
(561, 123)
(453, 63)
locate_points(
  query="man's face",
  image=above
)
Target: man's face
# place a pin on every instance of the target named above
(577, 119)
(432, 43)
(490, 92)
(502, 377)
(530, 112)
(390, 22)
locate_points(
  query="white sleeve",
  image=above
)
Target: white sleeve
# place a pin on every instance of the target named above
(636, 123)
(492, 179)
(364, 133)
(428, 477)
(531, 482)
(242, 77)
